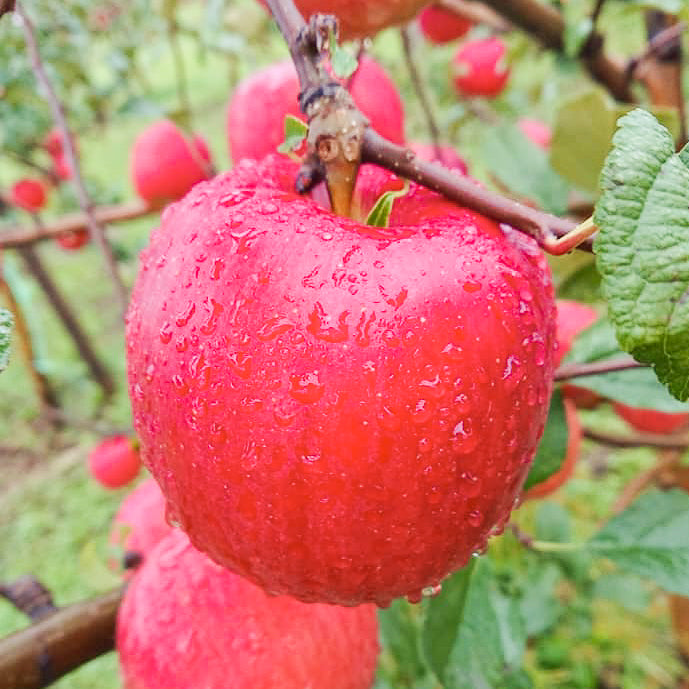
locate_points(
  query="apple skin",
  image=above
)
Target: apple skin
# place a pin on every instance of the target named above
(164, 164)
(257, 109)
(537, 131)
(28, 194)
(115, 462)
(479, 67)
(73, 240)
(651, 421)
(187, 622)
(440, 25)
(140, 524)
(560, 477)
(313, 396)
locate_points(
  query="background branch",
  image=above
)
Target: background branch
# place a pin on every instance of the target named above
(95, 229)
(47, 650)
(567, 371)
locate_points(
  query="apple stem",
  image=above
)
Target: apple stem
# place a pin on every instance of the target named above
(571, 240)
(420, 90)
(58, 110)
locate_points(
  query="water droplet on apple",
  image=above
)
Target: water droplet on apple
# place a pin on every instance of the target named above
(475, 518)
(273, 328)
(240, 364)
(306, 388)
(431, 591)
(165, 333)
(422, 412)
(185, 316)
(471, 485)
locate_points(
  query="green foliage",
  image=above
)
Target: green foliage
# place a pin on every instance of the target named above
(642, 248)
(379, 216)
(552, 447)
(5, 337)
(344, 64)
(295, 133)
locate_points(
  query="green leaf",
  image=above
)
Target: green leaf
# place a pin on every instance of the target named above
(400, 631)
(642, 248)
(651, 539)
(626, 590)
(552, 448)
(637, 387)
(538, 606)
(343, 63)
(523, 167)
(380, 213)
(5, 337)
(473, 636)
(295, 133)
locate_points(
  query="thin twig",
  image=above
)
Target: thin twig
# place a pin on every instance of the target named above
(667, 442)
(658, 44)
(85, 202)
(477, 13)
(12, 236)
(420, 90)
(46, 172)
(180, 73)
(568, 371)
(596, 12)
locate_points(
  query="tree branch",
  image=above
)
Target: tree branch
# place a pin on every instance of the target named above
(547, 25)
(477, 13)
(13, 236)
(420, 91)
(667, 442)
(57, 108)
(568, 371)
(42, 653)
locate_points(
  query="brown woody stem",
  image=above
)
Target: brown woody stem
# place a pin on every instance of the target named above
(667, 442)
(47, 650)
(568, 371)
(58, 110)
(17, 235)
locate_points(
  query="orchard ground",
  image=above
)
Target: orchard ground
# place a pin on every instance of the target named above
(55, 520)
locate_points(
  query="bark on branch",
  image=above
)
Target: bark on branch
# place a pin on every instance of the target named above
(15, 236)
(47, 650)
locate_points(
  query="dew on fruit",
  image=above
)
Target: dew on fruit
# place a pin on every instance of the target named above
(464, 440)
(471, 485)
(306, 388)
(471, 286)
(268, 208)
(389, 420)
(425, 445)
(214, 309)
(475, 518)
(185, 316)
(422, 412)
(165, 333)
(273, 328)
(462, 404)
(148, 375)
(327, 236)
(180, 386)
(433, 387)
(217, 268)
(431, 591)
(378, 264)
(319, 325)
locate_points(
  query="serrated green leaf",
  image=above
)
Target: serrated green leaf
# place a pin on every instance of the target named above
(538, 606)
(642, 248)
(637, 387)
(343, 63)
(651, 539)
(295, 133)
(473, 636)
(552, 447)
(523, 167)
(379, 215)
(626, 590)
(5, 337)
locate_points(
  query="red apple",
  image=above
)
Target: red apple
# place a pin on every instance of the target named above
(651, 421)
(186, 622)
(140, 521)
(53, 142)
(479, 67)
(572, 319)
(448, 156)
(440, 25)
(165, 164)
(257, 110)
(560, 477)
(28, 194)
(72, 240)
(360, 18)
(537, 131)
(313, 395)
(115, 462)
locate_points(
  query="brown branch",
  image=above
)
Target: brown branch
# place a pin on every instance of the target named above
(6, 6)
(42, 653)
(320, 97)
(420, 91)
(666, 442)
(547, 25)
(568, 371)
(86, 204)
(477, 13)
(81, 340)
(44, 389)
(49, 173)
(13, 236)
(29, 596)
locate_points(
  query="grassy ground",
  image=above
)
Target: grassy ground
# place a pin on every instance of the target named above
(54, 520)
